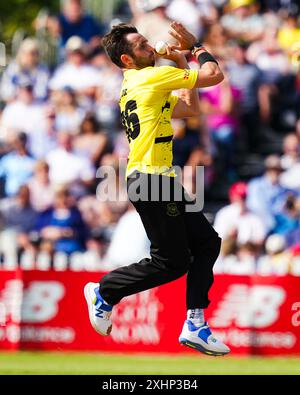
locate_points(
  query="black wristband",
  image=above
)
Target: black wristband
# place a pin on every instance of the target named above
(206, 57)
(198, 44)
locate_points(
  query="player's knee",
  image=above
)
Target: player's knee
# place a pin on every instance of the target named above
(182, 263)
(176, 264)
(179, 270)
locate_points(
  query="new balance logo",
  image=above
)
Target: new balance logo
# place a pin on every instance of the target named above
(244, 306)
(99, 314)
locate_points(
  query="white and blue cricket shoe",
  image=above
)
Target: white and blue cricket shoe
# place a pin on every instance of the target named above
(99, 311)
(201, 339)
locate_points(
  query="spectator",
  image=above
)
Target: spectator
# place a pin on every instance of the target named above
(242, 262)
(291, 151)
(210, 10)
(274, 65)
(17, 166)
(107, 98)
(191, 18)
(293, 236)
(92, 140)
(68, 114)
(123, 247)
(112, 193)
(215, 40)
(266, 194)
(46, 140)
(278, 260)
(68, 168)
(220, 105)
(191, 149)
(289, 32)
(73, 21)
(18, 220)
(248, 253)
(61, 227)
(26, 66)
(91, 213)
(298, 129)
(26, 115)
(287, 220)
(154, 13)
(286, 105)
(243, 21)
(40, 187)
(269, 57)
(246, 77)
(76, 73)
(290, 178)
(188, 135)
(237, 222)
(121, 146)
(281, 5)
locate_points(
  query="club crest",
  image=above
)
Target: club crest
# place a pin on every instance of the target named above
(172, 210)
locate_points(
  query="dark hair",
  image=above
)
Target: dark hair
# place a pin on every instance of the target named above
(91, 118)
(290, 203)
(22, 138)
(116, 44)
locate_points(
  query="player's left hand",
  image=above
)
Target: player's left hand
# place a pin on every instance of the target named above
(185, 39)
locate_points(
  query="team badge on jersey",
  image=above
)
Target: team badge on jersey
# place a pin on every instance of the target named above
(172, 210)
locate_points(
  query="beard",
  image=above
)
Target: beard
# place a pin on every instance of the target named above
(142, 62)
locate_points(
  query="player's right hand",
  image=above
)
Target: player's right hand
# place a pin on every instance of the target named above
(185, 39)
(172, 54)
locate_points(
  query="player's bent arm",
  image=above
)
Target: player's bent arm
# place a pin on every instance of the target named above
(209, 75)
(188, 104)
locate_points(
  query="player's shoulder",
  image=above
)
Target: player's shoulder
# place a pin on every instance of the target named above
(158, 70)
(158, 73)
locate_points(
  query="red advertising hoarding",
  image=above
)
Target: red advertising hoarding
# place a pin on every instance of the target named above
(11, 296)
(47, 311)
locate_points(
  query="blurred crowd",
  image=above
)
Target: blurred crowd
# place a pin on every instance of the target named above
(60, 124)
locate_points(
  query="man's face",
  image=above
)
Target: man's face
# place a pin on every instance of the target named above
(65, 141)
(274, 175)
(61, 199)
(73, 10)
(238, 200)
(19, 144)
(29, 58)
(76, 58)
(143, 53)
(239, 55)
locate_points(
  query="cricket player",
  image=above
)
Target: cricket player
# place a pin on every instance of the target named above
(182, 242)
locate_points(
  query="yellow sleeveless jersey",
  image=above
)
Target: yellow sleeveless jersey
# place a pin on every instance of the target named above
(146, 106)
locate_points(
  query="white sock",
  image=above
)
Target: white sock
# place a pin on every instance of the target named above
(196, 316)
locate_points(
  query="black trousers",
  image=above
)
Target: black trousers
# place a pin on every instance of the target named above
(181, 243)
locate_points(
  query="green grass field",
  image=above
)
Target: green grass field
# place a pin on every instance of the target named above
(85, 363)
